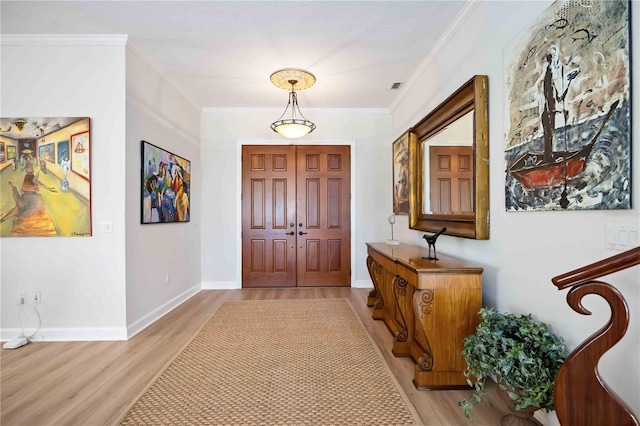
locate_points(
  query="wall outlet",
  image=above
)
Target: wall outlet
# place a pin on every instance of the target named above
(166, 278)
(22, 298)
(37, 297)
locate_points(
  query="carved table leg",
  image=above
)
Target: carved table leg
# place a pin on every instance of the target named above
(404, 310)
(375, 271)
(423, 304)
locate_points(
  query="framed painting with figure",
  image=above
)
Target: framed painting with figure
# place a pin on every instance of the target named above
(63, 151)
(47, 196)
(80, 150)
(568, 107)
(165, 186)
(401, 175)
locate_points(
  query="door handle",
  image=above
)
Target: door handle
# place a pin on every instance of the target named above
(302, 233)
(290, 233)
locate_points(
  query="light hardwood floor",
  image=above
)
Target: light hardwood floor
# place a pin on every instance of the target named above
(92, 383)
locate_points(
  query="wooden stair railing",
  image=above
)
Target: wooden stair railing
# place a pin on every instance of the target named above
(581, 397)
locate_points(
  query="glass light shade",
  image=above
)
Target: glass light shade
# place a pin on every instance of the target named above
(293, 128)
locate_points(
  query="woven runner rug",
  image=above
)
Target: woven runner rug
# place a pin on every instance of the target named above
(277, 362)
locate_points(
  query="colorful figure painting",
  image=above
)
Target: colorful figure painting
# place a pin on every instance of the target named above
(568, 106)
(166, 183)
(41, 195)
(401, 175)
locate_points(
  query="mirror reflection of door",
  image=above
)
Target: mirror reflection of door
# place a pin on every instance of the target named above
(296, 226)
(451, 179)
(448, 169)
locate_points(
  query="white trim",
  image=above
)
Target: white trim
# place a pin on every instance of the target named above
(69, 334)
(221, 285)
(363, 284)
(444, 39)
(153, 316)
(278, 111)
(63, 39)
(352, 151)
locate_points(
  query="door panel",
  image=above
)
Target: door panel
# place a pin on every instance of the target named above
(268, 210)
(323, 203)
(299, 189)
(451, 170)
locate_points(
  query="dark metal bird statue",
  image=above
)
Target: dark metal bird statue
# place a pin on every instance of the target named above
(431, 241)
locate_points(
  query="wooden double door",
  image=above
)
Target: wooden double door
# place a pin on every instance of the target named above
(296, 222)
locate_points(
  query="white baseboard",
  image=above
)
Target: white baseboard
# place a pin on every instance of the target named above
(68, 334)
(221, 285)
(153, 316)
(362, 284)
(102, 333)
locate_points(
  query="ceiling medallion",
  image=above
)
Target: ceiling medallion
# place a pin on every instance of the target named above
(293, 79)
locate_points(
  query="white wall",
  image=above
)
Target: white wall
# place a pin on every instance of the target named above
(159, 114)
(527, 249)
(82, 280)
(223, 133)
(110, 285)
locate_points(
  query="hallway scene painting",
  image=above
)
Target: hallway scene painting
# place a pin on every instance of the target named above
(45, 177)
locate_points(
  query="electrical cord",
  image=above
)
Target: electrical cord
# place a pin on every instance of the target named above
(35, 333)
(20, 321)
(30, 338)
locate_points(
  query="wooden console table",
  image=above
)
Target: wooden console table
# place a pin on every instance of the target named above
(429, 306)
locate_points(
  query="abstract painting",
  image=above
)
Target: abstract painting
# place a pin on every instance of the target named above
(401, 175)
(166, 183)
(43, 194)
(568, 109)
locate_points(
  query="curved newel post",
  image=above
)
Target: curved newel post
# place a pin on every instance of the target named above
(581, 397)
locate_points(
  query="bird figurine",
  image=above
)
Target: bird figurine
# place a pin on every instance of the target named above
(431, 241)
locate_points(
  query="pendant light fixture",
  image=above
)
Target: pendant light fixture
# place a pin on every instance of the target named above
(292, 79)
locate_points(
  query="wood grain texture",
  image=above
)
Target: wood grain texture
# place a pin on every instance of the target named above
(429, 307)
(92, 383)
(581, 396)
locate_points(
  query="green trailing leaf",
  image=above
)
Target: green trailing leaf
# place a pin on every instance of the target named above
(523, 354)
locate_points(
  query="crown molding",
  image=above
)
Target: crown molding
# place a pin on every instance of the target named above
(63, 40)
(213, 110)
(142, 54)
(469, 7)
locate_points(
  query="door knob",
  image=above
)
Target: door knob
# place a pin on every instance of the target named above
(300, 224)
(292, 224)
(290, 233)
(302, 233)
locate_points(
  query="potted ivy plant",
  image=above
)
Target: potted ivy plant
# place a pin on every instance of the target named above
(523, 357)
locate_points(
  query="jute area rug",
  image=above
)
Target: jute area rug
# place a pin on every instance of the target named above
(277, 362)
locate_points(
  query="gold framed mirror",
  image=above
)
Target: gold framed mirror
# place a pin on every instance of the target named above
(449, 165)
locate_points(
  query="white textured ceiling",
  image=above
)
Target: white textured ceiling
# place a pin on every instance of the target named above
(220, 54)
